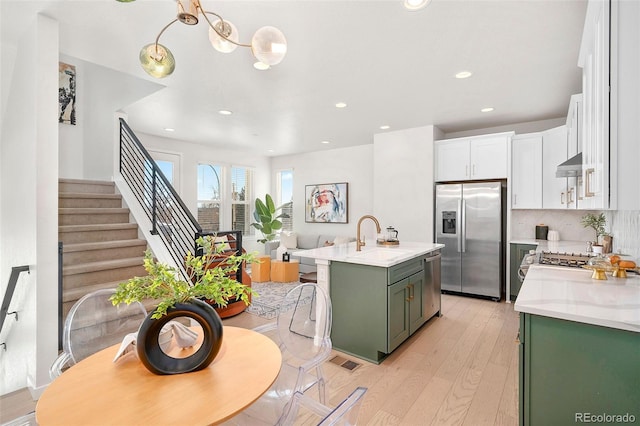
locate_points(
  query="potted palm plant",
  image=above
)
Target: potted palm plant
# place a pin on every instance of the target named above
(210, 278)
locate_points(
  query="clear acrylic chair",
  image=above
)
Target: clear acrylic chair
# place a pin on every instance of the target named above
(93, 323)
(302, 331)
(345, 413)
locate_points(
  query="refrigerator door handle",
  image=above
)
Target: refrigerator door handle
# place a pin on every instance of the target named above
(463, 224)
(459, 230)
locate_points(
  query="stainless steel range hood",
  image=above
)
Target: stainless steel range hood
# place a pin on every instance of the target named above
(570, 168)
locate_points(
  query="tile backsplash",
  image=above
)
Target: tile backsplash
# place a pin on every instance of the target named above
(623, 225)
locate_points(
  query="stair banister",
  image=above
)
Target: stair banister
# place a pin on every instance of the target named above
(8, 295)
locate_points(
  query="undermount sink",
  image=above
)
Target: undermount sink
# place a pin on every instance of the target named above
(379, 254)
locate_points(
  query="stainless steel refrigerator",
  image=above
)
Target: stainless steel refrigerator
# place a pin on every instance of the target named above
(470, 223)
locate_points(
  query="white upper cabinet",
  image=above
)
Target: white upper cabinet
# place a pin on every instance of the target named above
(473, 158)
(558, 193)
(526, 171)
(594, 60)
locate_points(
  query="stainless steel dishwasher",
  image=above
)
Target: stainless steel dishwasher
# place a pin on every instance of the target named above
(432, 299)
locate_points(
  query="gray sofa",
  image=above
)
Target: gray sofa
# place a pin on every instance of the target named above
(304, 242)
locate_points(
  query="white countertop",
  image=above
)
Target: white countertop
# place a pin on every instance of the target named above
(371, 254)
(571, 294)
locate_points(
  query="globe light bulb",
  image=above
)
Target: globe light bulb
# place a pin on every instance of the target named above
(157, 60)
(219, 43)
(269, 45)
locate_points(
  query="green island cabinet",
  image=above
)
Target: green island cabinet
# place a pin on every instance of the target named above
(518, 251)
(575, 373)
(375, 308)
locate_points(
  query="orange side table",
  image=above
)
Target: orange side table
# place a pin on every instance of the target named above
(284, 272)
(261, 269)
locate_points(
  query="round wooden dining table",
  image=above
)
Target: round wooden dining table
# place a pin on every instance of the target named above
(99, 391)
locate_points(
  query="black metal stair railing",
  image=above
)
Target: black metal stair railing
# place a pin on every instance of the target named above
(8, 295)
(170, 218)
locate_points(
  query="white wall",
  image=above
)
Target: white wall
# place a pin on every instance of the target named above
(29, 207)
(86, 149)
(403, 181)
(353, 165)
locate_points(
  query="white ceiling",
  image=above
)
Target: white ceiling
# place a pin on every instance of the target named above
(391, 66)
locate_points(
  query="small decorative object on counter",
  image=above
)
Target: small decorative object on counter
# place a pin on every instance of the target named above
(286, 256)
(589, 247)
(541, 232)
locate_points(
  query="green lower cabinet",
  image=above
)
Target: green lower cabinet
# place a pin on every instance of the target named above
(572, 373)
(406, 312)
(374, 308)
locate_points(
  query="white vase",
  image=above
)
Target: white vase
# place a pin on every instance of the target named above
(597, 249)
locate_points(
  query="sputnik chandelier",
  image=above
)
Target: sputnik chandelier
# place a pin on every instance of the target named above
(268, 44)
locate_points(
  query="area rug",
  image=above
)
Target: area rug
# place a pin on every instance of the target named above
(268, 298)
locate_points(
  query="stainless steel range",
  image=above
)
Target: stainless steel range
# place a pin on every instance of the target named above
(571, 260)
(547, 258)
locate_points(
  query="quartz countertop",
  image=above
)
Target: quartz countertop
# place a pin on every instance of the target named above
(571, 294)
(371, 254)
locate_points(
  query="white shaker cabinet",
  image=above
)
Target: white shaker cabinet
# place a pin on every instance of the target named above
(526, 171)
(558, 193)
(472, 158)
(594, 60)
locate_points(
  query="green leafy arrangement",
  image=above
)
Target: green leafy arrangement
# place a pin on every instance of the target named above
(597, 222)
(266, 220)
(212, 283)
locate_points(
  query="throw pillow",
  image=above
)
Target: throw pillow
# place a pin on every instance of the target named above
(289, 240)
(341, 240)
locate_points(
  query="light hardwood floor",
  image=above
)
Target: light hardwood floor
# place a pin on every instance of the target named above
(458, 369)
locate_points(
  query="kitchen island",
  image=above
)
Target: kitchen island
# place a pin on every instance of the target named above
(579, 347)
(379, 295)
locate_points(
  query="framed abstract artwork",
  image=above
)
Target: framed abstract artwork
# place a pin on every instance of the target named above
(326, 203)
(66, 93)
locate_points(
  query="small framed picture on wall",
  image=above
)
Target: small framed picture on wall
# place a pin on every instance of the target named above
(327, 203)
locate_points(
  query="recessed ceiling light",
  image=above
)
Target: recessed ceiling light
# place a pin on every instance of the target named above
(261, 66)
(464, 74)
(325, 142)
(169, 129)
(416, 4)
(487, 109)
(341, 105)
(385, 127)
(270, 150)
(225, 112)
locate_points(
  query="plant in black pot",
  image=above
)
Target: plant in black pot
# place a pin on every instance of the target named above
(267, 219)
(210, 279)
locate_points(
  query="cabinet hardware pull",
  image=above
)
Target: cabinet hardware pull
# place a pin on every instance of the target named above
(515, 199)
(587, 181)
(473, 170)
(408, 298)
(562, 197)
(570, 195)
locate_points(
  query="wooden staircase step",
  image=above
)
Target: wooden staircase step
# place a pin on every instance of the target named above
(86, 186)
(73, 234)
(72, 295)
(83, 200)
(104, 250)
